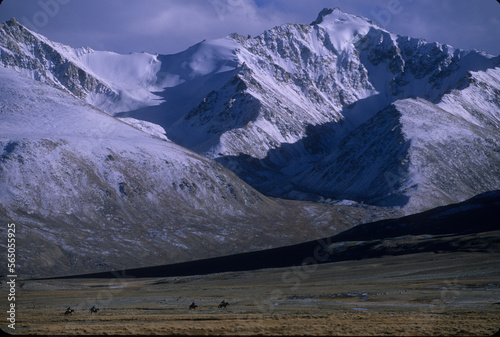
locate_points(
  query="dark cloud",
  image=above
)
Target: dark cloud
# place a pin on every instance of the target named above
(173, 25)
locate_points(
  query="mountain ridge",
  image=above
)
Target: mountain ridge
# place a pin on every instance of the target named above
(279, 104)
(365, 123)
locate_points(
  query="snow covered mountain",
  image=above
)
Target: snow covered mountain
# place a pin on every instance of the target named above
(303, 117)
(336, 109)
(88, 192)
(105, 79)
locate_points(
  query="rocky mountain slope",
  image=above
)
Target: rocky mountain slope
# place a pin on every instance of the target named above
(469, 226)
(88, 192)
(336, 109)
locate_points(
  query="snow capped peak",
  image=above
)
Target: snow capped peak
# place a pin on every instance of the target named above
(210, 57)
(110, 81)
(20, 33)
(330, 16)
(324, 12)
(343, 29)
(12, 22)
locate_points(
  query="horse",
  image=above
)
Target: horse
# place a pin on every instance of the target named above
(222, 304)
(69, 311)
(93, 310)
(193, 306)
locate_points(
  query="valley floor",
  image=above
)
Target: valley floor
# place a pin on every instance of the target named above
(419, 294)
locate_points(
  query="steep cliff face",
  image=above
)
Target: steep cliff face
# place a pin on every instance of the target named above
(312, 112)
(412, 154)
(339, 72)
(109, 81)
(39, 58)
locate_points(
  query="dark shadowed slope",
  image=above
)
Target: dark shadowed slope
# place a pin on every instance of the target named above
(470, 226)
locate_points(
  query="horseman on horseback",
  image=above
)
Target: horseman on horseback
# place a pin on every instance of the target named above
(223, 304)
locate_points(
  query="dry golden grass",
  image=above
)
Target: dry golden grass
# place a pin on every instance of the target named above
(338, 323)
(423, 294)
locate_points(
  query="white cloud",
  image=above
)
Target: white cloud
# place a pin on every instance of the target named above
(188, 22)
(168, 26)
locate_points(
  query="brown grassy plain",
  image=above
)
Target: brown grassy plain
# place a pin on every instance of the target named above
(421, 294)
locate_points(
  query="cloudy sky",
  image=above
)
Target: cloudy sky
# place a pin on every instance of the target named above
(170, 26)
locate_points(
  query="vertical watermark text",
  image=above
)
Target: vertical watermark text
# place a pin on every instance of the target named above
(12, 275)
